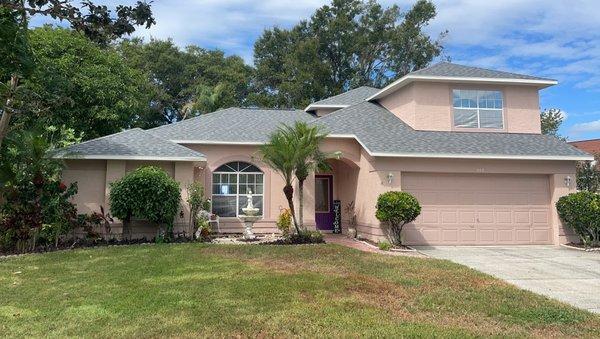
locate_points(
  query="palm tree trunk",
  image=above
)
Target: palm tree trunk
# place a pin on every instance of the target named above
(301, 202)
(288, 190)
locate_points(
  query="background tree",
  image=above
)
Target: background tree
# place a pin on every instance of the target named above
(95, 21)
(551, 119)
(186, 82)
(82, 86)
(588, 175)
(346, 44)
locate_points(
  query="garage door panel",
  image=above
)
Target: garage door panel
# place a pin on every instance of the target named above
(479, 209)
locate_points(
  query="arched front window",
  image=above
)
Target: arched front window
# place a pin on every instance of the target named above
(230, 185)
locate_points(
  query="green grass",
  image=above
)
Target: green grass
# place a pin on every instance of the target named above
(188, 290)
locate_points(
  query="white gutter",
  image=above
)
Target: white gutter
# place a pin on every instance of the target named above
(407, 79)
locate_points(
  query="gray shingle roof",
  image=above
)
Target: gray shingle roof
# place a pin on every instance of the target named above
(383, 133)
(243, 125)
(448, 69)
(351, 97)
(130, 144)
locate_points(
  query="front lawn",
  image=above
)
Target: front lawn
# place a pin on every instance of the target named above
(309, 290)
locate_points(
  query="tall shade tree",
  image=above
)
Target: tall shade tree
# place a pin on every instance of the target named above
(345, 44)
(82, 86)
(186, 82)
(95, 21)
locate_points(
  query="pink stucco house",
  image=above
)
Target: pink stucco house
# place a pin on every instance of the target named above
(465, 141)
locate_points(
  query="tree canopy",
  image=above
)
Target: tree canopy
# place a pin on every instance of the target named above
(345, 44)
(78, 84)
(186, 82)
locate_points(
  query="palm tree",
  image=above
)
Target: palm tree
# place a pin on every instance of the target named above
(293, 151)
(280, 154)
(309, 157)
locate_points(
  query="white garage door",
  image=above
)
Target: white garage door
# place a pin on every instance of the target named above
(479, 209)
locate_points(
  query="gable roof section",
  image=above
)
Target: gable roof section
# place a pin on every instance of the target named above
(349, 98)
(230, 126)
(133, 144)
(450, 72)
(383, 134)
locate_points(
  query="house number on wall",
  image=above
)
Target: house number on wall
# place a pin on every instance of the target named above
(480, 170)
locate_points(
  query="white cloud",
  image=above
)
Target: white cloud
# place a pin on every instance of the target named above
(585, 127)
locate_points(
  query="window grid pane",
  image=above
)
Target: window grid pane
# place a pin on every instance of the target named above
(477, 109)
(229, 189)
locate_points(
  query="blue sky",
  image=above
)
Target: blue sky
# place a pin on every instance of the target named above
(559, 39)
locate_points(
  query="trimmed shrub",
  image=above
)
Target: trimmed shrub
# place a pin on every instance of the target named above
(306, 237)
(146, 193)
(384, 245)
(581, 212)
(396, 209)
(284, 222)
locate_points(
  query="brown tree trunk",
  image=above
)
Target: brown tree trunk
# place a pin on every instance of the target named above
(288, 190)
(8, 111)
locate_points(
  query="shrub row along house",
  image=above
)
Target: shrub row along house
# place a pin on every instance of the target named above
(465, 141)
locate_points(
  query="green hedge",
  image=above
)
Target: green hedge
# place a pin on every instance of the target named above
(146, 193)
(581, 212)
(397, 209)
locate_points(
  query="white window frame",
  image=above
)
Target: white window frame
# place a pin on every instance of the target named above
(237, 183)
(478, 110)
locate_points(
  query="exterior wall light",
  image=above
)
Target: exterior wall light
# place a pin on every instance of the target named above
(390, 177)
(568, 181)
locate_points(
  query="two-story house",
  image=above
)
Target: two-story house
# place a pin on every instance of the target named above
(465, 141)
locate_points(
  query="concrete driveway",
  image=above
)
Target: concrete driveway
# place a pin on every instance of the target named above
(567, 275)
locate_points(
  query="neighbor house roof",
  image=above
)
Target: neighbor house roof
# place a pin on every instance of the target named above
(351, 97)
(133, 144)
(591, 146)
(381, 133)
(230, 126)
(450, 72)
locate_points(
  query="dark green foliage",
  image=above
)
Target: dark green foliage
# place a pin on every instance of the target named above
(588, 175)
(14, 48)
(82, 86)
(36, 207)
(397, 209)
(186, 82)
(346, 44)
(551, 119)
(146, 193)
(306, 237)
(581, 212)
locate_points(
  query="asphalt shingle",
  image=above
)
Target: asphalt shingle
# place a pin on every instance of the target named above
(448, 69)
(351, 97)
(134, 143)
(231, 125)
(384, 133)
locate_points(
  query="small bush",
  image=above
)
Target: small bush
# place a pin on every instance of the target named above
(284, 222)
(384, 245)
(306, 237)
(581, 212)
(146, 193)
(396, 209)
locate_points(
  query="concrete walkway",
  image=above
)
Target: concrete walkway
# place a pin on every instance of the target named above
(570, 276)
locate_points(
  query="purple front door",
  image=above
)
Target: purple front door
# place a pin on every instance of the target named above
(324, 202)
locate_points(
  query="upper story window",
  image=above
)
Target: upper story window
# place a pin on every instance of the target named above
(477, 109)
(230, 185)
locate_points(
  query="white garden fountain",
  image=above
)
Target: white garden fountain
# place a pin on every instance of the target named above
(249, 218)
